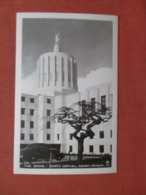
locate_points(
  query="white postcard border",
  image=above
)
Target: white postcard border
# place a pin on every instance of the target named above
(20, 17)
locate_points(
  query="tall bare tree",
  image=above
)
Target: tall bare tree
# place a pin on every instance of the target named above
(83, 116)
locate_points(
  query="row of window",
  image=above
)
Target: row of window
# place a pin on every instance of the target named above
(48, 136)
(56, 71)
(63, 73)
(91, 148)
(31, 112)
(32, 100)
(31, 136)
(101, 135)
(93, 103)
(31, 124)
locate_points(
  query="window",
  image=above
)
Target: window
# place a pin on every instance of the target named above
(48, 136)
(48, 71)
(31, 124)
(74, 74)
(48, 101)
(69, 73)
(83, 107)
(93, 104)
(31, 136)
(111, 133)
(51, 76)
(22, 124)
(70, 148)
(32, 100)
(48, 112)
(101, 134)
(63, 75)
(22, 136)
(91, 149)
(39, 76)
(57, 136)
(111, 100)
(22, 110)
(103, 104)
(56, 70)
(43, 63)
(71, 136)
(48, 124)
(23, 99)
(101, 148)
(110, 148)
(31, 111)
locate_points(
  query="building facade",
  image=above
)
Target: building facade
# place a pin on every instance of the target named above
(57, 87)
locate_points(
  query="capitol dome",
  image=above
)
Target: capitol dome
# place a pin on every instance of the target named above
(57, 71)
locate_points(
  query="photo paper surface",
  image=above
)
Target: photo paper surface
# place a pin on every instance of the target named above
(66, 94)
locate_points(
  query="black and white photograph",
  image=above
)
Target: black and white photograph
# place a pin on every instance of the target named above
(66, 94)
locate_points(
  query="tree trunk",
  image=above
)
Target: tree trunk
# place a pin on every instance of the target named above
(80, 150)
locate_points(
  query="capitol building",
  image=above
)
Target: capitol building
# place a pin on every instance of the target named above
(57, 87)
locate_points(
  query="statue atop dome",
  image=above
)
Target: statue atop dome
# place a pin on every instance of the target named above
(57, 38)
(57, 47)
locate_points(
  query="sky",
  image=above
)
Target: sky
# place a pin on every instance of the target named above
(90, 42)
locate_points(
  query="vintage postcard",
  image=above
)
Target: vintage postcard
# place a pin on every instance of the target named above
(66, 94)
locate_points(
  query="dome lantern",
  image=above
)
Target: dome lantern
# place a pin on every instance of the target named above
(57, 71)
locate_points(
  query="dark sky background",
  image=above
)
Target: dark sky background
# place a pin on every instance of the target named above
(90, 42)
